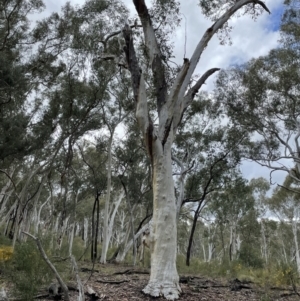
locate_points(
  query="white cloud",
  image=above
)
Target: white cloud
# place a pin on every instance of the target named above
(249, 38)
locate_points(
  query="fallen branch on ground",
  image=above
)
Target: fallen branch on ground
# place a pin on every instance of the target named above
(112, 281)
(52, 267)
(129, 272)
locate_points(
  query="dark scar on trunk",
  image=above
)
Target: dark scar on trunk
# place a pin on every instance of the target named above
(167, 131)
(141, 7)
(150, 138)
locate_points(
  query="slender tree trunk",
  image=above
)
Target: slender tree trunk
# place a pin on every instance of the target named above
(204, 252)
(211, 248)
(264, 242)
(121, 255)
(232, 244)
(95, 227)
(71, 237)
(105, 241)
(193, 229)
(85, 231)
(295, 230)
(111, 222)
(61, 232)
(130, 211)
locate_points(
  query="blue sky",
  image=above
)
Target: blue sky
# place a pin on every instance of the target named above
(275, 18)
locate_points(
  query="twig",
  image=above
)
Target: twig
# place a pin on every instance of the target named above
(79, 283)
(112, 281)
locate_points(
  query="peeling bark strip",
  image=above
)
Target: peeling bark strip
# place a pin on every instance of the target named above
(139, 90)
(154, 53)
(132, 61)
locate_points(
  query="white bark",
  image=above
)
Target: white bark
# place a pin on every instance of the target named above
(238, 243)
(122, 253)
(204, 251)
(210, 251)
(120, 233)
(71, 238)
(105, 241)
(6, 218)
(109, 229)
(264, 241)
(79, 282)
(233, 240)
(62, 231)
(5, 194)
(182, 175)
(164, 279)
(5, 199)
(85, 231)
(77, 229)
(211, 245)
(37, 215)
(295, 230)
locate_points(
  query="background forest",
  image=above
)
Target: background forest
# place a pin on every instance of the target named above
(74, 169)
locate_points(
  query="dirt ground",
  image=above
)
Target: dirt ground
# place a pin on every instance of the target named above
(121, 283)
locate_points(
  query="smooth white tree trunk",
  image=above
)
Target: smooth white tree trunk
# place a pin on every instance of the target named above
(105, 229)
(37, 216)
(85, 231)
(171, 105)
(61, 232)
(233, 241)
(264, 242)
(204, 251)
(121, 255)
(109, 229)
(71, 238)
(164, 279)
(295, 230)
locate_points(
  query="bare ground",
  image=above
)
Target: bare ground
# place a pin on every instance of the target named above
(123, 283)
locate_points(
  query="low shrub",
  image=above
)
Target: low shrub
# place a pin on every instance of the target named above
(6, 253)
(27, 270)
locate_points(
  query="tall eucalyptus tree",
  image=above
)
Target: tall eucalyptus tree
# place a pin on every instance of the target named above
(172, 99)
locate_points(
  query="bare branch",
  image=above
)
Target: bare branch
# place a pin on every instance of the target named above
(283, 142)
(79, 282)
(167, 110)
(195, 89)
(115, 33)
(12, 181)
(209, 34)
(263, 5)
(190, 95)
(288, 189)
(51, 266)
